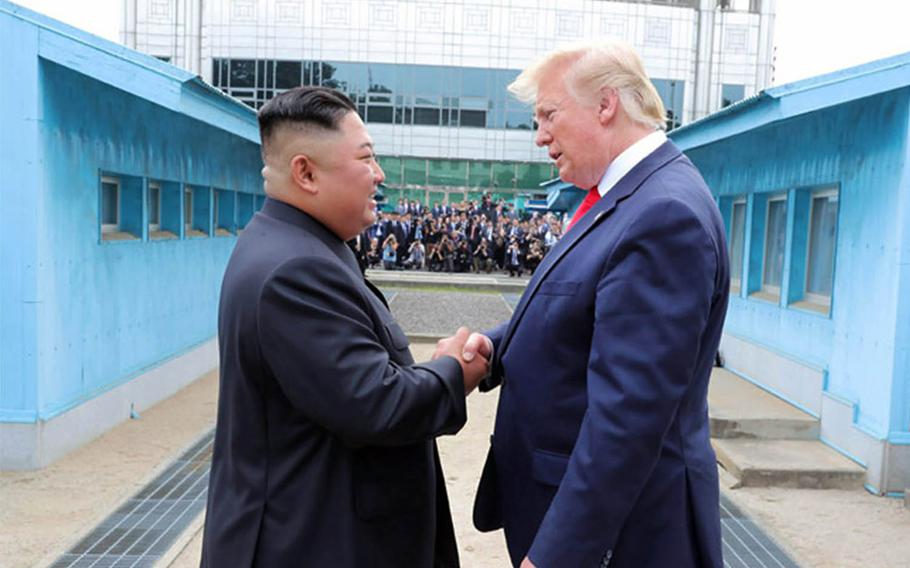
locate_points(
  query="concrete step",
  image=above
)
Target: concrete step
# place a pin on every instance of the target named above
(739, 409)
(800, 464)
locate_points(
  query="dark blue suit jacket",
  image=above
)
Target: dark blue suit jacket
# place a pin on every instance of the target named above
(324, 452)
(601, 451)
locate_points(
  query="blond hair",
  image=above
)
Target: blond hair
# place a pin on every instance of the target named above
(593, 66)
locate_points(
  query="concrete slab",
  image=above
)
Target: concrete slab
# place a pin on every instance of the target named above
(739, 409)
(907, 498)
(422, 279)
(799, 464)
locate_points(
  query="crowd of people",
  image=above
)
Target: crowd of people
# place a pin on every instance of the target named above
(464, 237)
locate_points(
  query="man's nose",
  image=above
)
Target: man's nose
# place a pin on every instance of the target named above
(378, 174)
(543, 137)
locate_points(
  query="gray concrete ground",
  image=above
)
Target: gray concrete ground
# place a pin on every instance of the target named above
(42, 513)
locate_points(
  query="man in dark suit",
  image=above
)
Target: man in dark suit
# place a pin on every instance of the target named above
(324, 448)
(601, 452)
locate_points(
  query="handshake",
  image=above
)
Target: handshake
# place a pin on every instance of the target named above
(473, 352)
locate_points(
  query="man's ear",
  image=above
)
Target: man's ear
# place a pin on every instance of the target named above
(609, 105)
(303, 173)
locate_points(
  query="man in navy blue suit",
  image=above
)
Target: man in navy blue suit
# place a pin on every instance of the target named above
(601, 453)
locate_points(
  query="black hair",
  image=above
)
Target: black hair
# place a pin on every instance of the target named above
(305, 106)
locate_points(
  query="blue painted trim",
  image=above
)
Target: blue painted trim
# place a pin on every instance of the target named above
(872, 489)
(894, 495)
(899, 438)
(18, 416)
(779, 395)
(879, 436)
(54, 411)
(838, 398)
(842, 451)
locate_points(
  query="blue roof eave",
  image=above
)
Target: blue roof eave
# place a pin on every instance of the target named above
(795, 99)
(138, 74)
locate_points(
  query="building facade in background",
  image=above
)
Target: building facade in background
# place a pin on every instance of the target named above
(813, 181)
(123, 184)
(430, 77)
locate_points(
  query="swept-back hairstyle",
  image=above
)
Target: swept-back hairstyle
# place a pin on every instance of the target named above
(592, 67)
(303, 107)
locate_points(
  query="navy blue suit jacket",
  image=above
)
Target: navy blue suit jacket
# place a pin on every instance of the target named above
(601, 451)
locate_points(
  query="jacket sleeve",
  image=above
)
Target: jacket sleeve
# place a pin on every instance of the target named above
(495, 377)
(652, 305)
(321, 346)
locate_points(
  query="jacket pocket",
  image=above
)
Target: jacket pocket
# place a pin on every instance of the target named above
(559, 288)
(548, 467)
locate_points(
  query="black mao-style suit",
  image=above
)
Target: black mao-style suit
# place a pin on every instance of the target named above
(324, 452)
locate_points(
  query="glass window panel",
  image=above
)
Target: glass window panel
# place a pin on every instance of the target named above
(188, 208)
(287, 74)
(382, 77)
(531, 175)
(503, 174)
(415, 171)
(737, 240)
(392, 168)
(521, 120)
(822, 229)
(243, 73)
(426, 116)
(474, 82)
(109, 206)
(731, 94)
(476, 118)
(154, 204)
(431, 80)
(775, 237)
(479, 174)
(448, 172)
(382, 114)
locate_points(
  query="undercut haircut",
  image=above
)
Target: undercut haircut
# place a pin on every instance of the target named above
(304, 108)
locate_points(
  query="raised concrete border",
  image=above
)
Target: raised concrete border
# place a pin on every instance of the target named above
(887, 465)
(469, 281)
(797, 383)
(35, 445)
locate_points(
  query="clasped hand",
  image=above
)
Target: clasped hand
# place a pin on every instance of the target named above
(472, 351)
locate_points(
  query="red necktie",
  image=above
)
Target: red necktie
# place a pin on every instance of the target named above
(590, 200)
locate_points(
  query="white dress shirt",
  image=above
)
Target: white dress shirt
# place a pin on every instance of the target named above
(629, 158)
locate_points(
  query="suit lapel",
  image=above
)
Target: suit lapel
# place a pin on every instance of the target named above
(626, 186)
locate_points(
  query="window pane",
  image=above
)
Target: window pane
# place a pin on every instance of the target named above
(473, 118)
(108, 203)
(243, 73)
(822, 228)
(154, 205)
(287, 74)
(775, 236)
(426, 116)
(188, 208)
(731, 94)
(737, 240)
(382, 114)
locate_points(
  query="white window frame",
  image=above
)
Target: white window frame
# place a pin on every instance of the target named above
(156, 186)
(110, 227)
(736, 279)
(768, 288)
(818, 299)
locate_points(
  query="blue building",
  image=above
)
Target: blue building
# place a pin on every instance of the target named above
(123, 184)
(813, 179)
